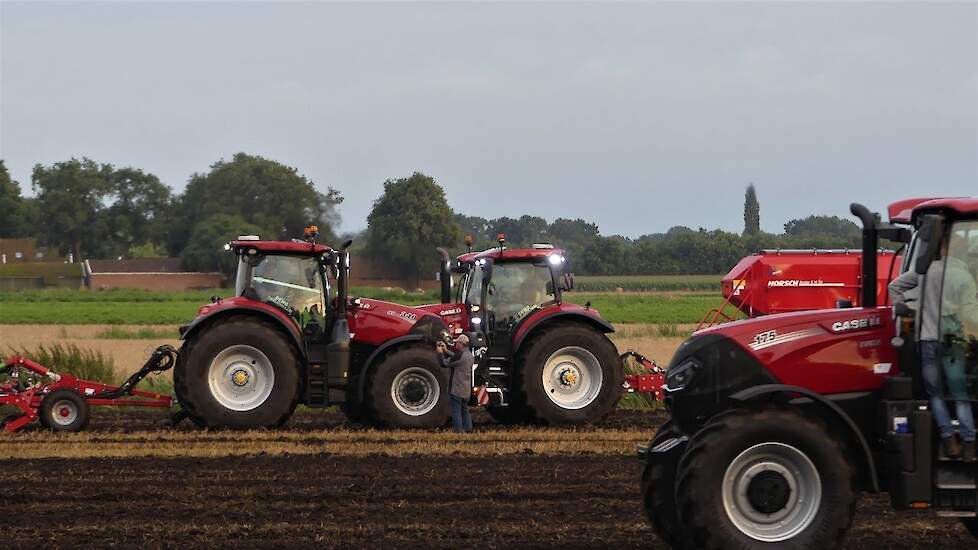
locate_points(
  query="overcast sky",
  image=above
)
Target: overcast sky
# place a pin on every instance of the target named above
(636, 116)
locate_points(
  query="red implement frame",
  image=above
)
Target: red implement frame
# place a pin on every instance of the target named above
(648, 382)
(28, 398)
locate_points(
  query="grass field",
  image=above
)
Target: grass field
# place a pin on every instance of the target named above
(138, 307)
(647, 283)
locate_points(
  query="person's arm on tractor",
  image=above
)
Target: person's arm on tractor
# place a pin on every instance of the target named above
(902, 285)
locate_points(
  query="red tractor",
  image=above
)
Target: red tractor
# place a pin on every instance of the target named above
(777, 422)
(285, 338)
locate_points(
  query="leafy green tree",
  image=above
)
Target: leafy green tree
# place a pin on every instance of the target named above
(519, 232)
(573, 236)
(829, 228)
(477, 227)
(604, 256)
(408, 221)
(752, 212)
(70, 197)
(139, 213)
(267, 194)
(205, 251)
(12, 207)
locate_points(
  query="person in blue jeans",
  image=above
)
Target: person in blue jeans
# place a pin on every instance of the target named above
(459, 361)
(931, 365)
(949, 312)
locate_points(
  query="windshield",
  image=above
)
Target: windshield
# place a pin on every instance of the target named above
(470, 291)
(291, 283)
(518, 288)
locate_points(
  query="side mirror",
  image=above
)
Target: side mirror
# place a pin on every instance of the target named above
(567, 281)
(930, 232)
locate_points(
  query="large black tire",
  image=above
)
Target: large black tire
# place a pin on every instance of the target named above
(543, 348)
(232, 345)
(659, 488)
(803, 444)
(971, 524)
(423, 386)
(64, 411)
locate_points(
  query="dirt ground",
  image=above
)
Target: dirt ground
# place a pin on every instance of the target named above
(430, 496)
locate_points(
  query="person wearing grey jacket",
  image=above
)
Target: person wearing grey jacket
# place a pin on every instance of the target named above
(459, 363)
(949, 305)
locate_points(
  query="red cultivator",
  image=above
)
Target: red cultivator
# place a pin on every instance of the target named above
(647, 382)
(62, 401)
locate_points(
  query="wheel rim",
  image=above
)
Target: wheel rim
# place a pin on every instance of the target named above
(771, 492)
(415, 391)
(241, 378)
(572, 377)
(64, 412)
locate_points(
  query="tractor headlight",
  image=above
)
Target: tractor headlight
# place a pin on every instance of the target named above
(677, 378)
(556, 259)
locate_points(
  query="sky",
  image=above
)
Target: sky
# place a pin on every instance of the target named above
(638, 117)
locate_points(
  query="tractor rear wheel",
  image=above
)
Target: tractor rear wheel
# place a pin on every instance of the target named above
(659, 486)
(971, 524)
(752, 479)
(239, 373)
(64, 411)
(570, 373)
(408, 389)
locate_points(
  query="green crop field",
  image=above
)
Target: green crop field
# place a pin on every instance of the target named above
(141, 307)
(647, 283)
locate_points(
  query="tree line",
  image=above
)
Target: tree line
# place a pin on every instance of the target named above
(95, 210)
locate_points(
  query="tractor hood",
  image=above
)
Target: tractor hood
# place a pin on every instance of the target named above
(830, 351)
(375, 322)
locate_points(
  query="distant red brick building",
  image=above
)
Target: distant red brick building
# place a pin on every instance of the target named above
(148, 274)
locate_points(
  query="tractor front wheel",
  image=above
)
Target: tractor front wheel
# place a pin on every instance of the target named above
(766, 477)
(659, 486)
(239, 373)
(570, 373)
(408, 389)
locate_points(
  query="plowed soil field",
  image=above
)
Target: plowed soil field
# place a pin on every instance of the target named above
(319, 482)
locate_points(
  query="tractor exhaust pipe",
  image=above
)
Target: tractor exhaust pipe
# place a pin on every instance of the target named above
(445, 276)
(870, 245)
(343, 280)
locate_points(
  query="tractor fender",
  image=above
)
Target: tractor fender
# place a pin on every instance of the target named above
(189, 330)
(532, 323)
(377, 353)
(868, 464)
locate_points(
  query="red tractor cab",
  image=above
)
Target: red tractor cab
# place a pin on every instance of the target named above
(776, 422)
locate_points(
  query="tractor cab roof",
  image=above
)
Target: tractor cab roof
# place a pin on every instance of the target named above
(905, 210)
(294, 247)
(504, 254)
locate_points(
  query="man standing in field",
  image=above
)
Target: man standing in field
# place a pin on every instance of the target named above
(459, 361)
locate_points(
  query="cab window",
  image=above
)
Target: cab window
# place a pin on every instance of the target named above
(519, 288)
(290, 283)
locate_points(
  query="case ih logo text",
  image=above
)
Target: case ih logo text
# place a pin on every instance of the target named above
(855, 324)
(453, 311)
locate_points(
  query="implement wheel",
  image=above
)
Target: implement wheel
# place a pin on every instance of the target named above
(64, 411)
